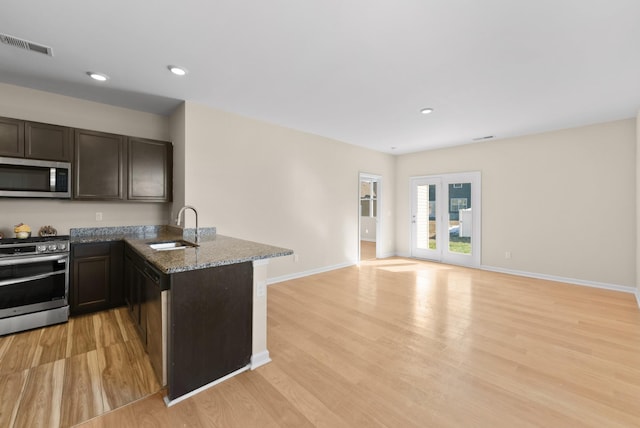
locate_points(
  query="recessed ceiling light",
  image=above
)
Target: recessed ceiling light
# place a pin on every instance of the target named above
(98, 76)
(178, 71)
(426, 110)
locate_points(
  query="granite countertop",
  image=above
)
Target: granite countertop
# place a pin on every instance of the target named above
(214, 250)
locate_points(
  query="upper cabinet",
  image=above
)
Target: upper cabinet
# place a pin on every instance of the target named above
(19, 138)
(114, 167)
(11, 137)
(50, 142)
(99, 166)
(150, 169)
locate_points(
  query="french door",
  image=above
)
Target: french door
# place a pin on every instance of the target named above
(445, 218)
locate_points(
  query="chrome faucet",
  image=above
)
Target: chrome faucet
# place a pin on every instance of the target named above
(196, 213)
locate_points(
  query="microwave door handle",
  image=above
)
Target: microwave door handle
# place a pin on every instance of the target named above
(52, 179)
(30, 278)
(35, 259)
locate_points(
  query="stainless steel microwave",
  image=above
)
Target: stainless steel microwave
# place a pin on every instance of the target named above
(32, 178)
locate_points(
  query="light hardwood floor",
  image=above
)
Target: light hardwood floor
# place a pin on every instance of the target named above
(68, 373)
(367, 250)
(404, 343)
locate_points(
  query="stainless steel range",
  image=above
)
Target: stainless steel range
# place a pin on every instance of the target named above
(34, 282)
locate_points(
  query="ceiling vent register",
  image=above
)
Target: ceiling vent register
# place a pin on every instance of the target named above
(25, 44)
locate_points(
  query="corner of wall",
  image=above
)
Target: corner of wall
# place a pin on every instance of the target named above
(177, 132)
(638, 208)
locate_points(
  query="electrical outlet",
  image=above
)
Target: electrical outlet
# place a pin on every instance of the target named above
(262, 289)
(296, 258)
(507, 254)
(98, 216)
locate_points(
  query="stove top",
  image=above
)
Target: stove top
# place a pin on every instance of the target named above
(33, 239)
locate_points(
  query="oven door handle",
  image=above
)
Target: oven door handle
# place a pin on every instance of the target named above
(30, 278)
(34, 259)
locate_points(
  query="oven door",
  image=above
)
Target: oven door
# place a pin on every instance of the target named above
(33, 283)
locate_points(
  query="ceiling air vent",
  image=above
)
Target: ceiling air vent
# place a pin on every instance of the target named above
(25, 44)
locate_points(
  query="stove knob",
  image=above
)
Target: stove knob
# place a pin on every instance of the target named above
(41, 248)
(62, 246)
(52, 247)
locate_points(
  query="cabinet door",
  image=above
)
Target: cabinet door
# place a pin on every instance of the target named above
(91, 277)
(99, 170)
(11, 137)
(50, 142)
(150, 170)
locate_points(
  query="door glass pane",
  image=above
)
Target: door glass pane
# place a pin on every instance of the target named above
(426, 216)
(460, 222)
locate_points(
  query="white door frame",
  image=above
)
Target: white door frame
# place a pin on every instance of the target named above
(378, 179)
(443, 254)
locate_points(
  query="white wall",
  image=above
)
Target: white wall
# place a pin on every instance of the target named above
(563, 203)
(266, 183)
(23, 103)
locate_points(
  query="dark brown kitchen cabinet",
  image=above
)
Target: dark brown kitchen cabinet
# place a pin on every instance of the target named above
(35, 140)
(11, 137)
(150, 170)
(96, 277)
(99, 166)
(49, 142)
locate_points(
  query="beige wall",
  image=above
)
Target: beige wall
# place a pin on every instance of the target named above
(177, 131)
(563, 203)
(266, 183)
(638, 207)
(29, 104)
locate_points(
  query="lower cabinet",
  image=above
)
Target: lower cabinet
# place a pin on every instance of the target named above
(96, 277)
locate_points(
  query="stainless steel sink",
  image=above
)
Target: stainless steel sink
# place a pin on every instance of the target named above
(171, 245)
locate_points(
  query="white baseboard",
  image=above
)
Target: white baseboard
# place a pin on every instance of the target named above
(387, 255)
(308, 272)
(595, 284)
(260, 359)
(170, 403)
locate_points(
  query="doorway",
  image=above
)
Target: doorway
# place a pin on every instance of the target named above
(369, 224)
(445, 218)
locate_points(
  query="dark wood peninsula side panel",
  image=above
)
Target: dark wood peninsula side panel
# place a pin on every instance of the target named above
(210, 332)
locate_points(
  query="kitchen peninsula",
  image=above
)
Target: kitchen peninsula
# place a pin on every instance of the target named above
(200, 310)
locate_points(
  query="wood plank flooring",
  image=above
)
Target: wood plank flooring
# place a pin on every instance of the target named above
(367, 250)
(405, 343)
(65, 374)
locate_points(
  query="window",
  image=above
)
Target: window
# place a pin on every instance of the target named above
(368, 198)
(457, 204)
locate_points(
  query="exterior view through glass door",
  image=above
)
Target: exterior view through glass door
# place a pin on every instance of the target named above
(445, 218)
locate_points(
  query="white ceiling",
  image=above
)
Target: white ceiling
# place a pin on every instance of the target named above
(357, 71)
